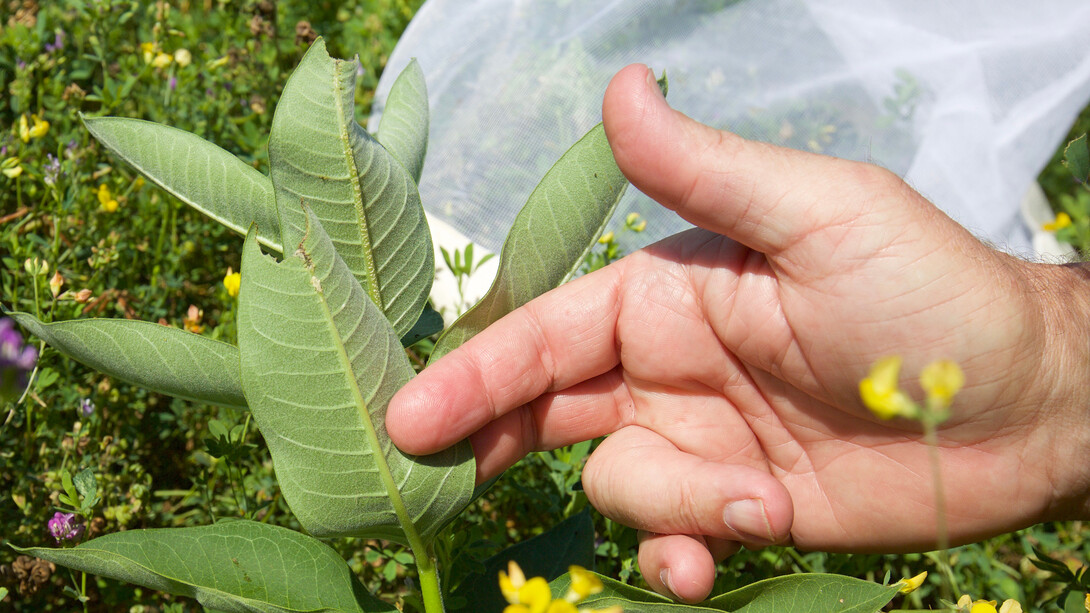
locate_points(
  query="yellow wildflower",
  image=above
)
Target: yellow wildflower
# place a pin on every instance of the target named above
(967, 605)
(148, 50)
(1062, 221)
(106, 200)
(527, 596)
(219, 62)
(35, 127)
(634, 223)
(182, 57)
(11, 168)
(40, 127)
(911, 585)
(880, 393)
(583, 584)
(941, 380)
(232, 281)
(162, 60)
(534, 596)
(606, 238)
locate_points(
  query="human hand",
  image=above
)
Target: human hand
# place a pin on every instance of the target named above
(724, 362)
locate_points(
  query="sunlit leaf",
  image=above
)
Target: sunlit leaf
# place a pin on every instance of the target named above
(1077, 158)
(403, 127)
(194, 170)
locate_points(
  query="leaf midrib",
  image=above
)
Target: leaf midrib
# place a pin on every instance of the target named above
(378, 456)
(373, 290)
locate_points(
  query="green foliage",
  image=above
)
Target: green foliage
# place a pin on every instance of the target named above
(810, 593)
(546, 555)
(1077, 159)
(321, 363)
(366, 200)
(244, 566)
(159, 460)
(319, 352)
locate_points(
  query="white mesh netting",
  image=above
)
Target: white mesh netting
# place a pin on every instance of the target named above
(967, 100)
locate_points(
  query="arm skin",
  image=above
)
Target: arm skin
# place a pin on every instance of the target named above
(724, 362)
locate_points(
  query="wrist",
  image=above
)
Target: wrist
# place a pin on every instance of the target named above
(1062, 403)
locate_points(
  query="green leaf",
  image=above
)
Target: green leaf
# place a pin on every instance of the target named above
(430, 322)
(319, 365)
(365, 198)
(807, 593)
(551, 235)
(198, 173)
(546, 555)
(232, 566)
(1077, 159)
(163, 359)
(403, 127)
(802, 593)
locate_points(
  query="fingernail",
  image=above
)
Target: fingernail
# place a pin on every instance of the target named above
(748, 517)
(653, 81)
(664, 576)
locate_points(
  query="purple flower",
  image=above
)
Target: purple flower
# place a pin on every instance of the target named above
(65, 527)
(57, 44)
(173, 83)
(20, 64)
(86, 407)
(52, 170)
(16, 360)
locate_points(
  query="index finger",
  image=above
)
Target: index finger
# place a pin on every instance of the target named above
(559, 339)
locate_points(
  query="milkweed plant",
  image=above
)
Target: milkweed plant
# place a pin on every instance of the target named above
(337, 266)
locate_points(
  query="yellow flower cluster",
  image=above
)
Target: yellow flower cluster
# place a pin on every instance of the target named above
(106, 200)
(157, 58)
(534, 596)
(35, 127)
(941, 380)
(967, 605)
(232, 281)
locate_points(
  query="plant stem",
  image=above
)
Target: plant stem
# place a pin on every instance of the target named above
(931, 421)
(428, 573)
(931, 438)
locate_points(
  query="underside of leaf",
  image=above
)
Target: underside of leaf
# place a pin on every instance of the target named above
(160, 358)
(319, 366)
(366, 200)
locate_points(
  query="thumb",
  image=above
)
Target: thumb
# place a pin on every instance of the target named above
(763, 196)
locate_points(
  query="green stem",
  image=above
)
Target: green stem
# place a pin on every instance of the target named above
(931, 421)
(931, 438)
(428, 573)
